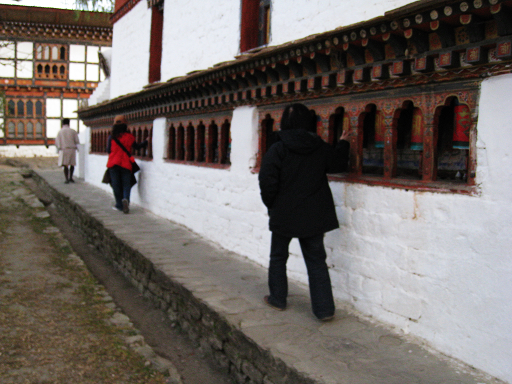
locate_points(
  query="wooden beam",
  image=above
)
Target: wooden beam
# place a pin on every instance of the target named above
(282, 70)
(398, 43)
(375, 48)
(296, 68)
(445, 33)
(323, 61)
(357, 53)
(308, 64)
(419, 39)
(502, 15)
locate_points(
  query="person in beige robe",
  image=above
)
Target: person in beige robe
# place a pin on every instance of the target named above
(66, 143)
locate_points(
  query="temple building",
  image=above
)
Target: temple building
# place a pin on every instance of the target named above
(49, 64)
(424, 89)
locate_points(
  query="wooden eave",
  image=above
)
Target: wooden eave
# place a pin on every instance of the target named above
(359, 58)
(53, 16)
(23, 22)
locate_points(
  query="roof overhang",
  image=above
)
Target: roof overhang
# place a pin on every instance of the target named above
(422, 43)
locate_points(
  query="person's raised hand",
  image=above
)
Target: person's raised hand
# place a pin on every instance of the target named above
(345, 135)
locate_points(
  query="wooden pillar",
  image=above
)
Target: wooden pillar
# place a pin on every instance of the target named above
(429, 159)
(390, 154)
(322, 127)
(429, 170)
(356, 143)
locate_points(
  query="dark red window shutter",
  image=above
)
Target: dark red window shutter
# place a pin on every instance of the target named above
(249, 27)
(155, 48)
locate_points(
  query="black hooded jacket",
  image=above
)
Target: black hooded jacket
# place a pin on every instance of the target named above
(294, 186)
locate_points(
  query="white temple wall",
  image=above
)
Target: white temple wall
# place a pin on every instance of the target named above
(293, 20)
(130, 51)
(209, 33)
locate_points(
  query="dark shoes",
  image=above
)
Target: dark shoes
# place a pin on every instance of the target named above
(126, 204)
(326, 318)
(267, 300)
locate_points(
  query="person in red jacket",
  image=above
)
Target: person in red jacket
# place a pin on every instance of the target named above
(120, 163)
(295, 189)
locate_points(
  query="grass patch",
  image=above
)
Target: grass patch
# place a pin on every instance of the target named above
(53, 317)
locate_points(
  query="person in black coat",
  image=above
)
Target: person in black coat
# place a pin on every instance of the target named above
(294, 188)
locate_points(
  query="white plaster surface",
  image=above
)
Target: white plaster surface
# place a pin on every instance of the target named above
(293, 20)
(209, 33)
(434, 265)
(101, 93)
(130, 51)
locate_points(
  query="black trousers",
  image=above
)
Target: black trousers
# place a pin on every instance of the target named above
(121, 184)
(320, 289)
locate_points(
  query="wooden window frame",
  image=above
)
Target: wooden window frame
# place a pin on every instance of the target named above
(19, 114)
(141, 131)
(49, 67)
(200, 141)
(429, 104)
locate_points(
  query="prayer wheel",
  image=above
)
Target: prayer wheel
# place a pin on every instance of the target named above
(417, 130)
(461, 127)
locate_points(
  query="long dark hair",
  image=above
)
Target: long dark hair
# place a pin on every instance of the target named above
(118, 129)
(296, 116)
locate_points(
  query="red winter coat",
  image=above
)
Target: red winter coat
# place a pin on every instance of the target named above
(119, 157)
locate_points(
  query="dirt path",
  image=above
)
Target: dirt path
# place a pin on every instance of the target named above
(58, 324)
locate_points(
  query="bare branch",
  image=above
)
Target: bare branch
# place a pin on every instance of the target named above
(95, 5)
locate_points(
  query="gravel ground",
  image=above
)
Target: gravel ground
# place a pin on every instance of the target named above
(31, 162)
(58, 324)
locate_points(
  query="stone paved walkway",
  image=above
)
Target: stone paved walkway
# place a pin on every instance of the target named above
(216, 296)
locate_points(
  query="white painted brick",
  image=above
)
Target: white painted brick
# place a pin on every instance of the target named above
(373, 291)
(338, 193)
(439, 259)
(363, 223)
(130, 51)
(400, 302)
(344, 216)
(201, 44)
(355, 196)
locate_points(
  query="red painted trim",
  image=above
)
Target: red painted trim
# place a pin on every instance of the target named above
(119, 4)
(434, 186)
(197, 164)
(8, 141)
(122, 8)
